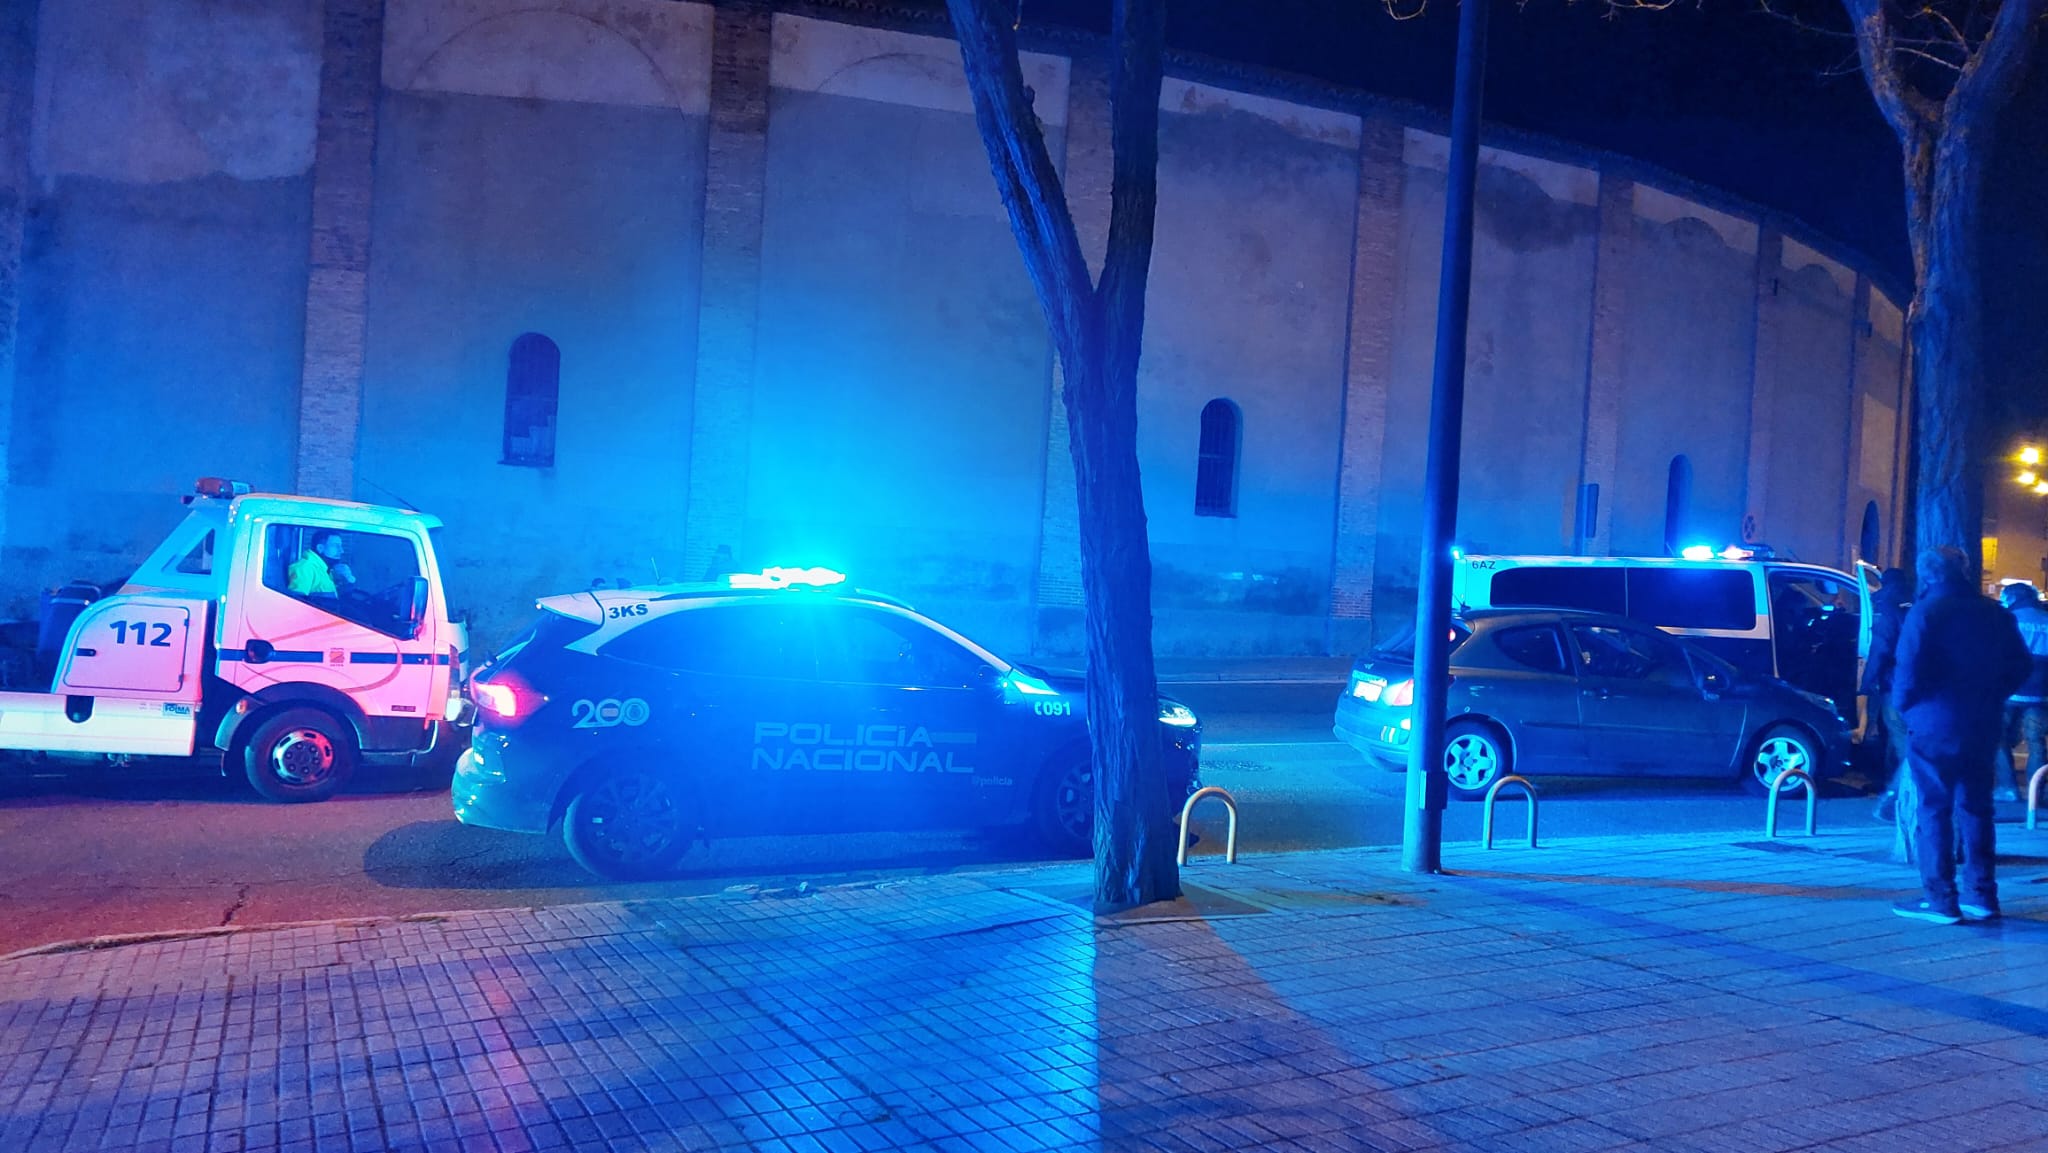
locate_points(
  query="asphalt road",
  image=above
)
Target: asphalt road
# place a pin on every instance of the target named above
(87, 854)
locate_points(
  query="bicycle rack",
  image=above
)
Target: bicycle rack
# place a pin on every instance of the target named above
(2034, 785)
(1778, 790)
(1230, 838)
(1528, 790)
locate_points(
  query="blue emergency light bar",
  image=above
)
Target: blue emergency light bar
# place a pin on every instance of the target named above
(779, 576)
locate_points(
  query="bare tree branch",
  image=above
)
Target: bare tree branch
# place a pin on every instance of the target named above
(1905, 109)
(1139, 31)
(1995, 70)
(1024, 171)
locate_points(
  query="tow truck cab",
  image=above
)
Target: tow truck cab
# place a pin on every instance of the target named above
(294, 635)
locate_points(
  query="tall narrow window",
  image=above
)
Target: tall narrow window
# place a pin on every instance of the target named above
(1216, 464)
(532, 384)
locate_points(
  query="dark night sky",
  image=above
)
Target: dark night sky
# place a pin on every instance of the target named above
(1716, 92)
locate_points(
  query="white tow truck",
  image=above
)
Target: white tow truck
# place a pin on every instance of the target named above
(295, 638)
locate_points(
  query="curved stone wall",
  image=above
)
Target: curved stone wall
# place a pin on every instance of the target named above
(294, 242)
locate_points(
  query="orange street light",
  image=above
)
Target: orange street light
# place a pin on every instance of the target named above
(2030, 455)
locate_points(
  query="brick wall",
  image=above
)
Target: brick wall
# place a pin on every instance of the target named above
(1369, 366)
(1605, 383)
(331, 381)
(730, 289)
(1770, 268)
(17, 83)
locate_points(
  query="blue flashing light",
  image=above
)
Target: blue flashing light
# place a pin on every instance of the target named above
(780, 576)
(1697, 552)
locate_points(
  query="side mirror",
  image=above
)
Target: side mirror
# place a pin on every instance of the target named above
(416, 608)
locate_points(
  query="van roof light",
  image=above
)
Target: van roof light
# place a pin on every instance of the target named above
(219, 486)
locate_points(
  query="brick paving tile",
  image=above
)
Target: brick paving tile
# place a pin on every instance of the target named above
(1664, 992)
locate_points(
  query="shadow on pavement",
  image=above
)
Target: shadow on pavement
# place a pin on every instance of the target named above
(198, 781)
(451, 855)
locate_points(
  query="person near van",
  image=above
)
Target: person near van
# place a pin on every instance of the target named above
(1960, 656)
(1889, 605)
(2026, 713)
(320, 571)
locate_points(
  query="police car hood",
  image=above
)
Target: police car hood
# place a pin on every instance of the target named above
(1068, 682)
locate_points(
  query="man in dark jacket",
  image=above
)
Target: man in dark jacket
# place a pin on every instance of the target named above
(1960, 656)
(1890, 603)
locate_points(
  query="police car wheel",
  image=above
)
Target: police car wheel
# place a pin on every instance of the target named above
(1475, 756)
(629, 826)
(299, 755)
(1781, 747)
(1063, 809)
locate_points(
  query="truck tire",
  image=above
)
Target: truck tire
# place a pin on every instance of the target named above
(299, 754)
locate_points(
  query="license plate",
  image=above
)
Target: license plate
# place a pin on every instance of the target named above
(1369, 689)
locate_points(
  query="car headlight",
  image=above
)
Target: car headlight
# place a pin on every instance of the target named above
(1179, 716)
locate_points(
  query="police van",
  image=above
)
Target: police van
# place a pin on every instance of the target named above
(289, 636)
(642, 720)
(1805, 624)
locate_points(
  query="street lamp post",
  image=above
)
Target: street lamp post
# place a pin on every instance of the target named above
(1422, 833)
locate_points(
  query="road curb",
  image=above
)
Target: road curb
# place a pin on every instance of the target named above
(159, 936)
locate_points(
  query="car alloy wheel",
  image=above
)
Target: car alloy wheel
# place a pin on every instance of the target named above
(1780, 750)
(628, 826)
(1472, 760)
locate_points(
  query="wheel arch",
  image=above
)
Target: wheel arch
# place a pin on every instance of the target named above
(254, 709)
(1498, 727)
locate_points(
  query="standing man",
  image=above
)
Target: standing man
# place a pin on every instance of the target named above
(1892, 601)
(1960, 656)
(2026, 714)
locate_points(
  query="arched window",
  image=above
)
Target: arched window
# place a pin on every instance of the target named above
(1871, 538)
(1216, 464)
(532, 384)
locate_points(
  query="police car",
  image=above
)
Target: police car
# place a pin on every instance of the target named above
(642, 720)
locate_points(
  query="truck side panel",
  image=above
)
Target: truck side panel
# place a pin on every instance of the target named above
(42, 721)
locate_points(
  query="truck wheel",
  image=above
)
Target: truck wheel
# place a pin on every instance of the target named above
(1063, 807)
(629, 825)
(300, 755)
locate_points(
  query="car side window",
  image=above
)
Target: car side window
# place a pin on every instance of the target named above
(879, 649)
(732, 641)
(1535, 647)
(1625, 654)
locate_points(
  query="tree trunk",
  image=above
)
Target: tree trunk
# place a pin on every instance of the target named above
(1097, 331)
(1135, 833)
(1946, 335)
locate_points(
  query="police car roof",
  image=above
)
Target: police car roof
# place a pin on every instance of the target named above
(595, 604)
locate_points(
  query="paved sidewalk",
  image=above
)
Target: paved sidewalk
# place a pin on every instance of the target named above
(1659, 993)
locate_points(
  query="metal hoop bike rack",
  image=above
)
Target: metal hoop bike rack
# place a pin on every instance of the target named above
(1528, 790)
(2034, 785)
(1778, 790)
(1230, 838)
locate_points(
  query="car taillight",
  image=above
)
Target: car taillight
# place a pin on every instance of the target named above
(1400, 695)
(497, 699)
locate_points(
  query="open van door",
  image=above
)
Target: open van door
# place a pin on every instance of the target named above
(1865, 573)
